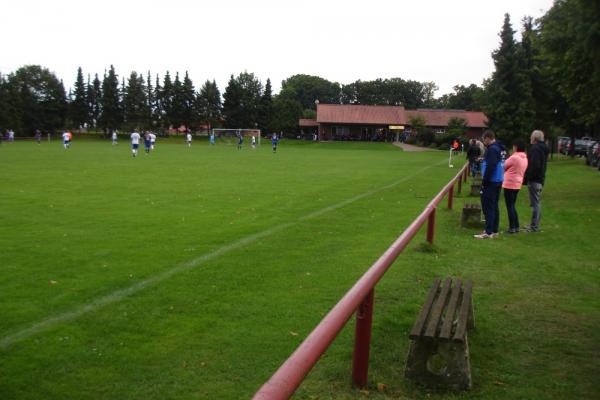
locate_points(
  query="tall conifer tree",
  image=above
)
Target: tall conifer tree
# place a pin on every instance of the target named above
(78, 108)
(111, 116)
(265, 112)
(509, 104)
(209, 104)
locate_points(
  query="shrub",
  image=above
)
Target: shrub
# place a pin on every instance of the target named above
(426, 136)
(411, 139)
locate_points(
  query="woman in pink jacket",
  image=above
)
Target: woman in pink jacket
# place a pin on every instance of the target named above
(514, 171)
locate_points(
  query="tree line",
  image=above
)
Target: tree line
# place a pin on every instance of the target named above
(34, 98)
(549, 79)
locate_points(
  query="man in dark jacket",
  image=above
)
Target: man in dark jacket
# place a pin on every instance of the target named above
(473, 154)
(535, 175)
(491, 183)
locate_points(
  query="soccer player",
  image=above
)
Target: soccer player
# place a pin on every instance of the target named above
(114, 137)
(274, 142)
(188, 139)
(147, 142)
(38, 136)
(253, 142)
(240, 141)
(135, 143)
(66, 139)
(152, 140)
(212, 138)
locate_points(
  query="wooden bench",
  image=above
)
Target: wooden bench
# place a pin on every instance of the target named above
(439, 351)
(476, 186)
(471, 216)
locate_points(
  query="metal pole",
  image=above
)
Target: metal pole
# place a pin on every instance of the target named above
(431, 226)
(362, 341)
(450, 196)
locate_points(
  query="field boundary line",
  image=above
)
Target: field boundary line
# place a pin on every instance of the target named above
(120, 294)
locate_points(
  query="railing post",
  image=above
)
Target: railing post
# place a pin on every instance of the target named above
(450, 196)
(362, 341)
(431, 226)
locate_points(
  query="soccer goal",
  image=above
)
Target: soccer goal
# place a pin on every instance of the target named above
(229, 136)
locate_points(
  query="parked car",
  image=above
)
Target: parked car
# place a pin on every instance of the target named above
(581, 147)
(563, 142)
(592, 154)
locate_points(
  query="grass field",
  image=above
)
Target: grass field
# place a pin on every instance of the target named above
(193, 273)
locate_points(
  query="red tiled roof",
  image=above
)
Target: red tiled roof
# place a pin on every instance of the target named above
(308, 122)
(475, 119)
(357, 114)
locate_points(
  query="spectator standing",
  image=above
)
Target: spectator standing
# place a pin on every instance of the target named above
(473, 154)
(514, 172)
(492, 171)
(537, 157)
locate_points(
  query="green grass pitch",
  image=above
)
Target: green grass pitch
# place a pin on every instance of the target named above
(192, 273)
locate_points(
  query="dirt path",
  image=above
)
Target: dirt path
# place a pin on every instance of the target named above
(410, 147)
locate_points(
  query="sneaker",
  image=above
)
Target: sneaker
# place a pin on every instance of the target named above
(530, 229)
(484, 235)
(495, 235)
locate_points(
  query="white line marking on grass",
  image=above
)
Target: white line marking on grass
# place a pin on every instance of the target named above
(161, 276)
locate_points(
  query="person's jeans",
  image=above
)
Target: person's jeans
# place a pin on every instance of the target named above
(474, 165)
(510, 198)
(490, 194)
(535, 201)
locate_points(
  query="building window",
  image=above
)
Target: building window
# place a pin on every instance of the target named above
(342, 130)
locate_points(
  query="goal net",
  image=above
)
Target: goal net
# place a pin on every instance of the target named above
(230, 136)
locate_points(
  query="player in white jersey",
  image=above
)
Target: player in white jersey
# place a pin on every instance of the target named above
(253, 142)
(67, 139)
(152, 140)
(188, 139)
(114, 138)
(135, 143)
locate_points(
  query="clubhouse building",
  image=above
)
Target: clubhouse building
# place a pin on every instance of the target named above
(383, 123)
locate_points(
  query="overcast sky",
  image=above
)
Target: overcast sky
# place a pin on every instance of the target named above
(447, 42)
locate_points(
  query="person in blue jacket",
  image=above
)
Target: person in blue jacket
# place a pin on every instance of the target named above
(492, 174)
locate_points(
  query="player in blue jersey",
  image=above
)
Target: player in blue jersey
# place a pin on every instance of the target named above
(240, 141)
(274, 141)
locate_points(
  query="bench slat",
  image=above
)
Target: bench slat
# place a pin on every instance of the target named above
(446, 331)
(420, 322)
(463, 315)
(436, 311)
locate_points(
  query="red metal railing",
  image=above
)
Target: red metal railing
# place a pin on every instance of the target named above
(358, 299)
